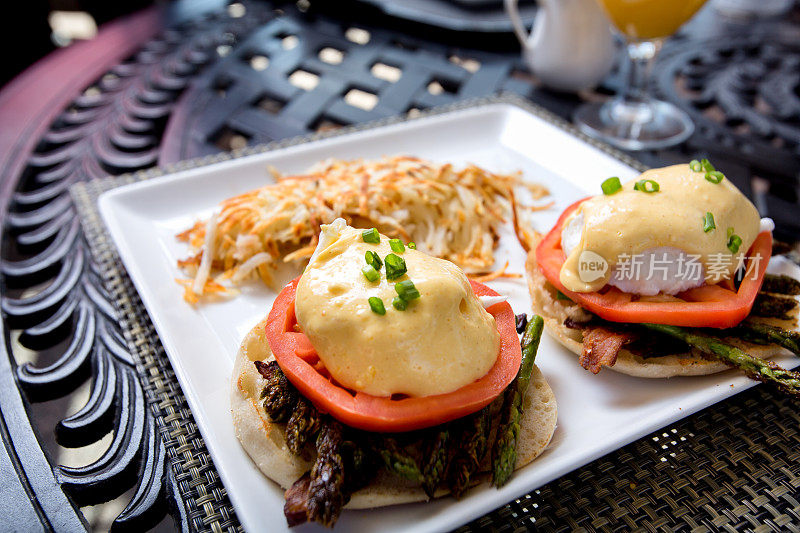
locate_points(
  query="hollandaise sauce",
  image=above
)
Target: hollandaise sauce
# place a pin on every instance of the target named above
(695, 212)
(434, 337)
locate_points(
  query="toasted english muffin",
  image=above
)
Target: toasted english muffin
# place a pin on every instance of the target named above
(265, 442)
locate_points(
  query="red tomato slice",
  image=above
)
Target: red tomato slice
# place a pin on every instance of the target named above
(711, 306)
(296, 357)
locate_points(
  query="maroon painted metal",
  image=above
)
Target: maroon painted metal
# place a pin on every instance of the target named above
(30, 102)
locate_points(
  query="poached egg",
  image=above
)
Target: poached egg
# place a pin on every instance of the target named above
(658, 242)
(443, 340)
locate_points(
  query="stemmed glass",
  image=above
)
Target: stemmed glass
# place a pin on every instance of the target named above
(633, 120)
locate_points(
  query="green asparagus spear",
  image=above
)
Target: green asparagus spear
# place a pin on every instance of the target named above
(779, 284)
(302, 425)
(469, 454)
(771, 306)
(398, 461)
(280, 396)
(766, 371)
(435, 461)
(504, 453)
(767, 334)
(361, 462)
(326, 494)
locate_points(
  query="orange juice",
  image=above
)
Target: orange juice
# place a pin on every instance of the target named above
(650, 19)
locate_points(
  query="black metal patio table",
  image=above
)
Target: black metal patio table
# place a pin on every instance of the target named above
(195, 78)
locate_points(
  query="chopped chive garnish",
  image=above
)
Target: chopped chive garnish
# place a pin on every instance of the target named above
(406, 290)
(730, 232)
(376, 305)
(373, 259)
(412, 245)
(371, 236)
(647, 186)
(707, 166)
(611, 185)
(708, 222)
(695, 165)
(395, 266)
(370, 273)
(715, 176)
(734, 242)
(397, 246)
(399, 304)
(561, 296)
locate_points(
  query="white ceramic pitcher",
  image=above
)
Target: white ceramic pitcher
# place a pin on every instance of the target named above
(570, 47)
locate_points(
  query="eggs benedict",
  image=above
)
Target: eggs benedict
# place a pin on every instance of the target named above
(623, 276)
(383, 375)
(659, 217)
(440, 343)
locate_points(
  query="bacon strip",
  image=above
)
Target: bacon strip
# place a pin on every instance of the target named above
(296, 507)
(601, 347)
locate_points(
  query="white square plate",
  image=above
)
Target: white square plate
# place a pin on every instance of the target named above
(597, 414)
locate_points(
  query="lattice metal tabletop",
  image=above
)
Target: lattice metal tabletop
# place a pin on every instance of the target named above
(164, 86)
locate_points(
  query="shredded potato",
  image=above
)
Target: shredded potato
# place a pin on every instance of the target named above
(448, 213)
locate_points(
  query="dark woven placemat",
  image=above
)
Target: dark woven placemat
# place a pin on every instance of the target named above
(734, 466)
(208, 508)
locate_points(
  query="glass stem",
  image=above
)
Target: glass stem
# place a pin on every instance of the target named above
(633, 102)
